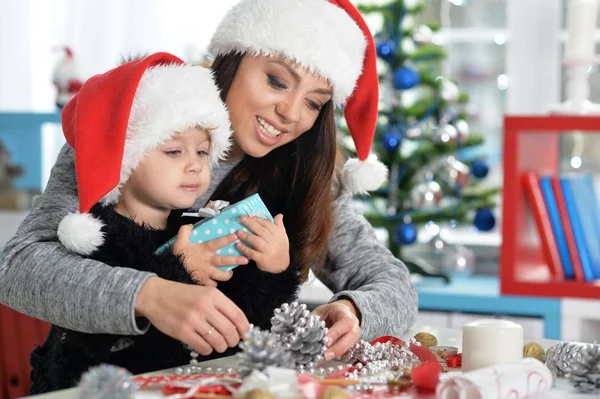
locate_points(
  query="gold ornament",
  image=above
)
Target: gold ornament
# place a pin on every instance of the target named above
(334, 393)
(258, 393)
(426, 339)
(535, 350)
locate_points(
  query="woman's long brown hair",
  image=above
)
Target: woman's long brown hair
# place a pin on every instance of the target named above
(295, 179)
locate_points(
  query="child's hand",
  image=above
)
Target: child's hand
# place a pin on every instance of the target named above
(270, 241)
(201, 261)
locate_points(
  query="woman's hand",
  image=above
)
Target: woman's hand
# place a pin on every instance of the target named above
(201, 261)
(341, 317)
(271, 247)
(201, 317)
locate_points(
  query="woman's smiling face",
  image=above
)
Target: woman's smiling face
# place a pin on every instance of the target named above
(271, 102)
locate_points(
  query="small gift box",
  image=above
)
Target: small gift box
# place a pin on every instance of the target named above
(222, 219)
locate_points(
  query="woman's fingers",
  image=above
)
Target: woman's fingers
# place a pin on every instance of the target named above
(225, 328)
(235, 316)
(198, 343)
(213, 336)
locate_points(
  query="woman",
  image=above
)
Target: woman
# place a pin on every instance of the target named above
(282, 65)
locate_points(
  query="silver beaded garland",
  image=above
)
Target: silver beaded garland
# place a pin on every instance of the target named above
(380, 362)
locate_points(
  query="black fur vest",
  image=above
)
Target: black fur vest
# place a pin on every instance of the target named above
(66, 354)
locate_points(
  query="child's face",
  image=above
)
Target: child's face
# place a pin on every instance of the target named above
(175, 174)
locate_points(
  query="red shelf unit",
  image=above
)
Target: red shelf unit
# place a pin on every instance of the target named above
(531, 143)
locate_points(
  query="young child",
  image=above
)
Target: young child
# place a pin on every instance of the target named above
(145, 135)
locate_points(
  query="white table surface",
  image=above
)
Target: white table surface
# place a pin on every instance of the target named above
(447, 337)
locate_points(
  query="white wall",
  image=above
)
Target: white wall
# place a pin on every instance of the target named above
(100, 32)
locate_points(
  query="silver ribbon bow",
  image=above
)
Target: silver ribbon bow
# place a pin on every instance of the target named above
(213, 208)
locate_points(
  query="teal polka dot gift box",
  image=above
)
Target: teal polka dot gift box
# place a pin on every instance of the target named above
(222, 219)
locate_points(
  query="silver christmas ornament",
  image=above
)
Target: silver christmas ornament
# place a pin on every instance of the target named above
(449, 91)
(426, 195)
(560, 357)
(459, 261)
(585, 372)
(423, 35)
(408, 46)
(261, 349)
(413, 133)
(303, 335)
(438, 244)
(462, 129)
(453, 172)
(107, 382)
(444, 134)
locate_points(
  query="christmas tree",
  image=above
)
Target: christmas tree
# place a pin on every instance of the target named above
(423, 137)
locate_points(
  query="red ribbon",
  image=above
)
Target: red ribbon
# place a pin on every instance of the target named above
(174, 389)
(454, 361)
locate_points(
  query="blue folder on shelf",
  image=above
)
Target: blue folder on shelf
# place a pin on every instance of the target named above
(557, 227)
(584, 213)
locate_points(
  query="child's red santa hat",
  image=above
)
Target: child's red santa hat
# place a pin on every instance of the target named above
(329, 38)
(120, 116)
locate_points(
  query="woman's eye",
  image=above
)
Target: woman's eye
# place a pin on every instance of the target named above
(276, 83)
(314, 106)
(173, 153)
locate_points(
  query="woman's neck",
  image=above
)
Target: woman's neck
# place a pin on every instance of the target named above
(142, 214)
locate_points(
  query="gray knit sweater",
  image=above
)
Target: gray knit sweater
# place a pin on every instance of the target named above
(41, 278)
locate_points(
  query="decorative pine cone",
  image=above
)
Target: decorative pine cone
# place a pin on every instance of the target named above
(260, 349)
(585, 371)
(560, 357)
(302, 334)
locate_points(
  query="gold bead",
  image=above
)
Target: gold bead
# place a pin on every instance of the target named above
(426, 339)
(535, 350)
(258, 393)
(334, 393)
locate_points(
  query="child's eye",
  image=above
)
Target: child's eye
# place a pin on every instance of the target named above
(276, 83)
(173, 153)
(203, 153)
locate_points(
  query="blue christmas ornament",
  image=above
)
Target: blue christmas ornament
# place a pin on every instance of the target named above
(406, 233)
(386, 50)
(480, 168)
(391, 141)
(484, 219)
(405, 78)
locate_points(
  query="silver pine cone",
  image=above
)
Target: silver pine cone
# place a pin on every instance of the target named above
(259, 349)
(302, 334)
(560, 357)
(585, 371)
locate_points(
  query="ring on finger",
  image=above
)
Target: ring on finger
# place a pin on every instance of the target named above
(210, 331)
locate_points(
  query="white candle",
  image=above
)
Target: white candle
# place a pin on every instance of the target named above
(491, 342)
(581, 28)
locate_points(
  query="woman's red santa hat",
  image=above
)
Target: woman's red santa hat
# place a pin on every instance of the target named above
(329, 38)
(120, 116)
